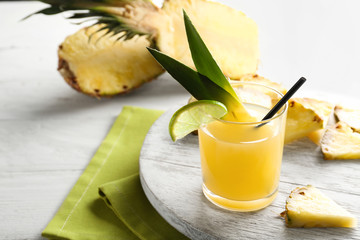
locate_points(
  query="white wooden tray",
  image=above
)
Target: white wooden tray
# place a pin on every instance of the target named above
(171, 178)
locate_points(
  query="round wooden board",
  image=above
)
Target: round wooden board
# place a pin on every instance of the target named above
(171, 178)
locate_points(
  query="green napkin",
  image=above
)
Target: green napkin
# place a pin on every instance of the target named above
(84, 215)
(127, 199)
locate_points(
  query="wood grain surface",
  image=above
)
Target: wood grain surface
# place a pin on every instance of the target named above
(171, 178)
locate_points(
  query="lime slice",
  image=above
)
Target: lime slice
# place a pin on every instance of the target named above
(193, 115)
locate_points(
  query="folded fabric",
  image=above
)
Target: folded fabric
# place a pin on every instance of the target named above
(127, 199)
(84, 215)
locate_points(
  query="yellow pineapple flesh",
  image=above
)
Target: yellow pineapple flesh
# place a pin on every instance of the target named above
(308, 207)
(105, 66)
(317, 135)
(340, 142)
(306, 115)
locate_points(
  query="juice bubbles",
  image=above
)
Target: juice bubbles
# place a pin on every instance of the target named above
(241, 162)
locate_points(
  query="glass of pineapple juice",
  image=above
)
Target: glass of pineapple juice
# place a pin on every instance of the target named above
(241, 162)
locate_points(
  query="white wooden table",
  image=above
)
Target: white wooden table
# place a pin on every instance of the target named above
(49, 132)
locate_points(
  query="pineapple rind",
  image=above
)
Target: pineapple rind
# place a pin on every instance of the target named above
(104, 66)
(340, 142)
(307, 207)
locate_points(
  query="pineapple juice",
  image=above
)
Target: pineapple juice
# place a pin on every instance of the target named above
(241, 162)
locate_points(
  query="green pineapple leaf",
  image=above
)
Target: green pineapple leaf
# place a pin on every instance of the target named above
(106, 12)
(198, 85)
(52, 10)
(203, 60)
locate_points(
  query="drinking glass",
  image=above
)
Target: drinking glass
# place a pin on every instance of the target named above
(241, 161)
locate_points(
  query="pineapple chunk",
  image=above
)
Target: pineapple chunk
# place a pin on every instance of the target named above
(340, 142)
(104, 66)
(316, 136)
(307, 207)
(306, 115)
(349, 116)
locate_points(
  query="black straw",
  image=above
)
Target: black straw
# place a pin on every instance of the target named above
(283, 100)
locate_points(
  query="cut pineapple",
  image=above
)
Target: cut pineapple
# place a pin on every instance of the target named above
(308, 207)
(340, 142)
(306, 115)
(317, 135)
(104, 66)
(109, 67)
(350, 116)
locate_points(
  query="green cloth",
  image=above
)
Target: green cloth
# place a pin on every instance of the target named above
(115, 167)
(139, 216)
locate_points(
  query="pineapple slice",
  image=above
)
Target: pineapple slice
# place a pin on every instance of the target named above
(340, 142)
(317, 135)
(307, 207)
(306, 115)
(104, 66)
(349, 116)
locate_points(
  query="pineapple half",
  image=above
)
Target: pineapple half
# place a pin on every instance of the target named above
(306, 115)
(340, 142)
(349, 116)
(307, 207)
(107, 67)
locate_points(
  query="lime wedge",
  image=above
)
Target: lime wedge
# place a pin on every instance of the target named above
(191, 116)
